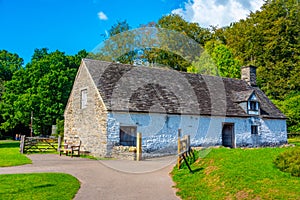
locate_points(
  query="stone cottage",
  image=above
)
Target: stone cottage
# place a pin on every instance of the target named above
(110, 103)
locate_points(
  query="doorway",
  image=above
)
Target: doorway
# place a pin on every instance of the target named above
(228, 139)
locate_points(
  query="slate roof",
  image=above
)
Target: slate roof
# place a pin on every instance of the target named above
(128, 88)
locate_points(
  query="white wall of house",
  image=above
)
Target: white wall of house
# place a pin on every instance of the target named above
(160, 130)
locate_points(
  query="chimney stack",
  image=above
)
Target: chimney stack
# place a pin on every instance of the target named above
(248, 74)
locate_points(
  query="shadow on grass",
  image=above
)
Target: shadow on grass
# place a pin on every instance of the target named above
(198, 169)
(44, 186)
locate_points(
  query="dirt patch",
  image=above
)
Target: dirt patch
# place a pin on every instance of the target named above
(241, 195)
(208, 170)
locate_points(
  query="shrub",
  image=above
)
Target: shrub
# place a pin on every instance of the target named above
(289, 161)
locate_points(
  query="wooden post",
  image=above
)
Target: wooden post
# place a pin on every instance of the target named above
(179, 149)
(188, 142)
(22, 143)
(59, 143)
(31, 122)
(138, 147)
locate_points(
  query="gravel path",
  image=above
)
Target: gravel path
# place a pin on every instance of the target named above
(108, 179)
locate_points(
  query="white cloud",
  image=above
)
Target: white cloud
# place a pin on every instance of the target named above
(213, 13)
(102, 16)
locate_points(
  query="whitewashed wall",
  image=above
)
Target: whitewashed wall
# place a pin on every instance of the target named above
(159, 131)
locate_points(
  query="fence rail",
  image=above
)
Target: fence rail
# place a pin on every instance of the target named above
(293, 135)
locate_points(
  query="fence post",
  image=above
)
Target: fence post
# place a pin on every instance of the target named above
(59, 143)
(139, 147)
(22, 143)
(188, 142)
(179, 149)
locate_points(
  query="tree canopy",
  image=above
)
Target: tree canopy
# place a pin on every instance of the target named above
(41, 87)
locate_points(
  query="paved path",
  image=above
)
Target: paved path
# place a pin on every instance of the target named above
(108, 179)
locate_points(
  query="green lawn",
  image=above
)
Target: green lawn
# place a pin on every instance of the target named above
(237, 174)
(38, 186)
(32, 186)
(10, 155)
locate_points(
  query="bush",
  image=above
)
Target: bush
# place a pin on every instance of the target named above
(289, 161)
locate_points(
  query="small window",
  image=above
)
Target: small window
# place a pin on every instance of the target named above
(84, 98)
(253, 105)
(128, 135)
(254, 130)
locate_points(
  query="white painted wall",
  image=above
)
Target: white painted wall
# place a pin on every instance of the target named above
(159, 131)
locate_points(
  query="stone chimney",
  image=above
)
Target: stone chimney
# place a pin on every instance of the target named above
(248, 74)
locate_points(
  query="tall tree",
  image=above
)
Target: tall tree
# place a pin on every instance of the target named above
(216, 60)
(270, 39)
(42, 87)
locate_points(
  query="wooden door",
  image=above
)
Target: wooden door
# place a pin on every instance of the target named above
(228, 135)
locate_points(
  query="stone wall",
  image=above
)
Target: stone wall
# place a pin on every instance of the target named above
(159, 131)
(86, 124)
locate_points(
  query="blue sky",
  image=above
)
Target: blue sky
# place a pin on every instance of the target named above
(72, 25)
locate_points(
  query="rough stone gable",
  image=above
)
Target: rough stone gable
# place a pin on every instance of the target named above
(87, 124)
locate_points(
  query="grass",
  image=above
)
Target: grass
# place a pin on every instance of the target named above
(38, 186)
(237, 174)
(295, 141)
(32, 186)
(10, 155)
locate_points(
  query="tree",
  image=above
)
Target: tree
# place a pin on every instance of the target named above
(291, 107)
(43, 87)
(270, 39)
(9, 63)
(216, 60)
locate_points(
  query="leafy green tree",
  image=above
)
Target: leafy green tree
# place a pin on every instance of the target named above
(42, 87)
(217, 59)
(9, 63)
(270, 40)
(291, 108)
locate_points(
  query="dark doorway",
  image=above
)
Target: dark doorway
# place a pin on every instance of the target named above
(228, 135)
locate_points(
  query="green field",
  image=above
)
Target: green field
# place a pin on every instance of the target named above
(38, 186)
(10, 155)
(237, 174)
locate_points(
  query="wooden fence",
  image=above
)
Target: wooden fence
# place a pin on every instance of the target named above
(184, 150)
(39, 144)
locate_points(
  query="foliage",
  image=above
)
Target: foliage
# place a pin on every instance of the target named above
(169, 54)
(270, 40)
(289, 161)
(294, 140)
(10, 154)
(290, 106)
(38, 186)
(9, 63)
(217, 59)
(236, 174)
(60, 127)
(42, 87)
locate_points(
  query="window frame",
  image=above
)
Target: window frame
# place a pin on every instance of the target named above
(83, 98)
(255, 107)
(128, 136)
(254, 130)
